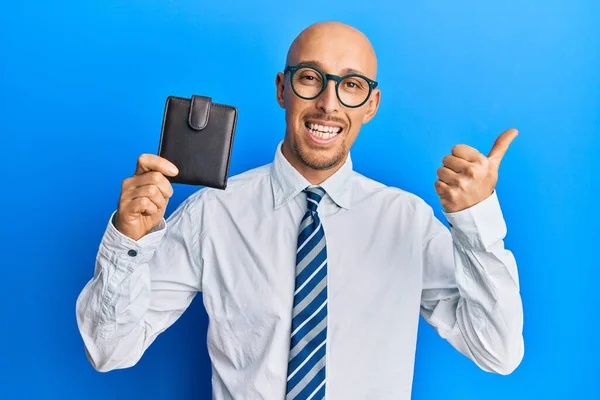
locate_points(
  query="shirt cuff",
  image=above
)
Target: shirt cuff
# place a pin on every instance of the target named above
(478, 226)
(120, 247)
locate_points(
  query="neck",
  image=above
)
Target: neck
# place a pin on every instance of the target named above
(314, 176)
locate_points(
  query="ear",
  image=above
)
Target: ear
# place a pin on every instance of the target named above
(372, 106)
(279, 84)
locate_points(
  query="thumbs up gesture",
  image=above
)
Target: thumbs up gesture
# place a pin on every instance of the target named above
(468, 177)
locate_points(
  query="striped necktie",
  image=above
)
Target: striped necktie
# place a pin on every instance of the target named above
(306, 368)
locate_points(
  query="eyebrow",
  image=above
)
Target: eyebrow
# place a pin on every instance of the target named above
(345, 71)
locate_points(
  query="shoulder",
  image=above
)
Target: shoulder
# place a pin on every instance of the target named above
(371, 191)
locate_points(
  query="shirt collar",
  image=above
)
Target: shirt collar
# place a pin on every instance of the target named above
(287, 182)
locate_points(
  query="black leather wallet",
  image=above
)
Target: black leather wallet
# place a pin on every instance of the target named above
(197, 136)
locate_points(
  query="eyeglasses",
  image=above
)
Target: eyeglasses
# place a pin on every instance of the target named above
(352, 90)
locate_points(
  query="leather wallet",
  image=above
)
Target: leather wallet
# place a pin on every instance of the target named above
(197, 136)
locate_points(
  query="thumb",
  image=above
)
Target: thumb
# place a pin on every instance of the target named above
(501, 144)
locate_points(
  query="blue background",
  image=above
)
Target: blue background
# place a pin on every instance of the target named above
(82, 90)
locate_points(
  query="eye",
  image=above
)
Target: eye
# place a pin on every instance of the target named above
(308, 77)
(355, 84)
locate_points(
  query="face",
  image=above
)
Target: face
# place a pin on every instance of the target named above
(320, 132)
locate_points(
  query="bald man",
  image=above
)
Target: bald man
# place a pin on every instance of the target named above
(313, 276)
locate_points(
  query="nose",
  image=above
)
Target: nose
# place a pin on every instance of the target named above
(328, 101)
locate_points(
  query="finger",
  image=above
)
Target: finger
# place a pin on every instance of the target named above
(141, 205)
(455, 164)
(501, 144)
(447, 176)
(441, 188)
(151, 162)
(151, 192)
(152, 178)
(467, 153)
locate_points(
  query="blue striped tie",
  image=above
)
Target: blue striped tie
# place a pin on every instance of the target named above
(306, 368)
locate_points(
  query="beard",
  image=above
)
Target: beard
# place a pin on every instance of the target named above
(317, 161)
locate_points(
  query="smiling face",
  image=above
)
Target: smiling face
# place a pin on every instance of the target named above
(320, 132)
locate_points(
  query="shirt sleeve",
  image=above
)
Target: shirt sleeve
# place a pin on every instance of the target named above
(139, 289)
(471, 287)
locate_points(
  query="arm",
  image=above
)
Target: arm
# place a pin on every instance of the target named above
(139, 289)
(471, 288)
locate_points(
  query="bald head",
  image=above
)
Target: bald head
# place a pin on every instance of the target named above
(331, 40)
(321, 126)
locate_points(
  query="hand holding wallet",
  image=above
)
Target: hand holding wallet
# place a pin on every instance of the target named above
(197, 136)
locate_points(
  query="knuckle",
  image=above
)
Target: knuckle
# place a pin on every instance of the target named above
(145, 202)
(451, 195)
(155, 177)
(153, 190)
(469, 171)
(126, 183)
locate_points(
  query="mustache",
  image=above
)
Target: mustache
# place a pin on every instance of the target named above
(326, 118)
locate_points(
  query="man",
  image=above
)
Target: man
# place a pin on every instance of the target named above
(313, 276)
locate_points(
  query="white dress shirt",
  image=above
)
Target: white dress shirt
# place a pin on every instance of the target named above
(390, 260)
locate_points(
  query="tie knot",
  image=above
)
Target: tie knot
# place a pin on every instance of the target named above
(314, 194)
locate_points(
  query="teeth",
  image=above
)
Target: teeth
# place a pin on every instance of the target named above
(324, 128)
(322, 135)
(323, 131)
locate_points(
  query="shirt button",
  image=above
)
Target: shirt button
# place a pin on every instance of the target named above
(132, 253)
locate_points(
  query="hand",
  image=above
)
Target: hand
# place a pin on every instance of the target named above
(144, 196)
(468, 177)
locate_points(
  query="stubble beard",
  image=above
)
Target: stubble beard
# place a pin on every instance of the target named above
(317, 162)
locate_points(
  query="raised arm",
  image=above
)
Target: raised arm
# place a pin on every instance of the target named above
(471, 287)
(470, 281)
(147, 271)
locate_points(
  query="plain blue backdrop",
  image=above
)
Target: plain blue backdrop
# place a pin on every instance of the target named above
(82, 91)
